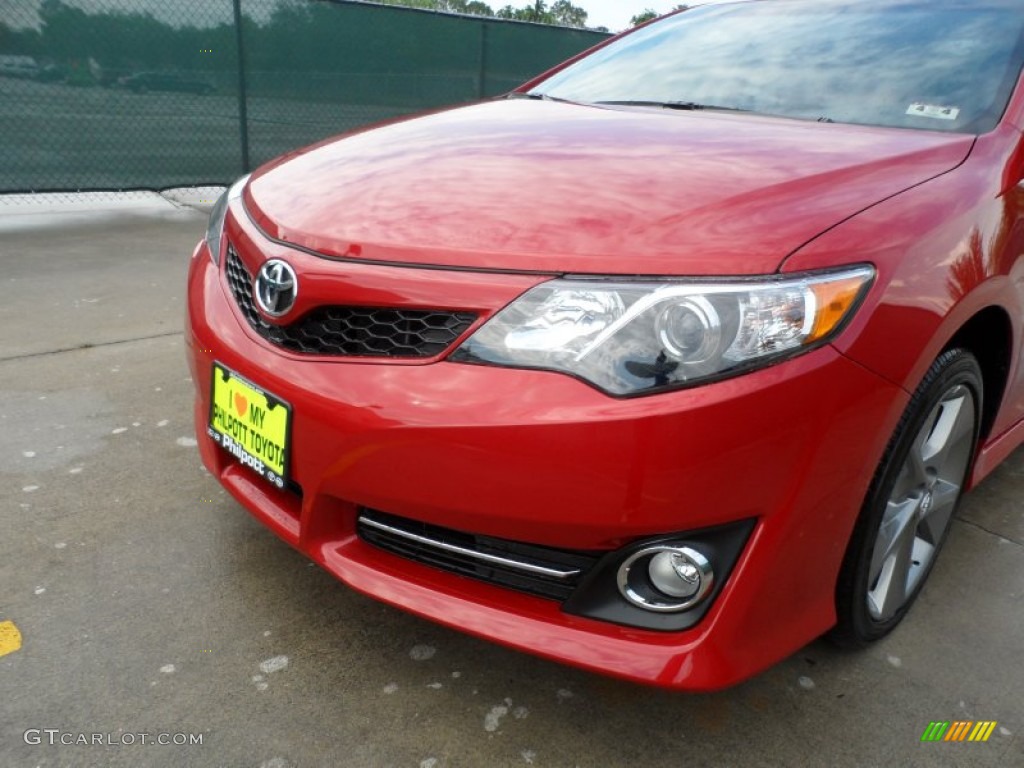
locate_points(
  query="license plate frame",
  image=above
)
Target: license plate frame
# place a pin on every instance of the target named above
(237, 422)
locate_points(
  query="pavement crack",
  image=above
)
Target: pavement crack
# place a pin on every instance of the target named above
(80, 347)
(981, 527)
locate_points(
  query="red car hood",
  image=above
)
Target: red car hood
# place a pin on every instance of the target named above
(527, 185)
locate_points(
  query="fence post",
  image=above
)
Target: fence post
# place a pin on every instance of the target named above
(481, 80)
(243, 109)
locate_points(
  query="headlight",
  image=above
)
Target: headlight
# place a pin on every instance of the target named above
(630, 338)
(215, 229)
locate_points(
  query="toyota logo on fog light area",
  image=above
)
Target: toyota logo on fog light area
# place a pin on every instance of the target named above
(276, 288)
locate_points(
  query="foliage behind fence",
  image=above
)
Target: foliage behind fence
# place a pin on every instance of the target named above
(119, 94)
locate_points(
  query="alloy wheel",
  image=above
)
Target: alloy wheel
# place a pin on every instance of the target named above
(921, 504)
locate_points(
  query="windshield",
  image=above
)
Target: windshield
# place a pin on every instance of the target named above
(947, 66)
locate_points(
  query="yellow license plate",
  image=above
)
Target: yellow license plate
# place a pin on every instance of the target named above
(251, 424)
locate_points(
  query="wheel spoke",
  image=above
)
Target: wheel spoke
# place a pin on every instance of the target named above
(933, 524)
(896, 527)
(915, 465)
(891, 591)
(953, 459)
(913, 474)
(953, 422)
(918, 471)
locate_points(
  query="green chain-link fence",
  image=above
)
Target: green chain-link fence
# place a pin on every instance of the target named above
(151, 94)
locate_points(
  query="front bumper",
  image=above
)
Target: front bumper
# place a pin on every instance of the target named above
(542, 458)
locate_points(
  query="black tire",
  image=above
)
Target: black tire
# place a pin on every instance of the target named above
(861, 620)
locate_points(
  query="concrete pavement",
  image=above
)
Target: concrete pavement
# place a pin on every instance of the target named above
(150, 602)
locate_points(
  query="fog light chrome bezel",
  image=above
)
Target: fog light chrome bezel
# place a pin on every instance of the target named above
(598, 595)
(635, 583)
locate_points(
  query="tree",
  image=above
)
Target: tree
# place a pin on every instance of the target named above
(647, 15)
(474, 7)
(537, 13)
(477, 8)
(561, 12)
(568, 15)
(643, 17)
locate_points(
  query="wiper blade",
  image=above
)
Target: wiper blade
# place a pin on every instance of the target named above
(537, 97)
(685, 106)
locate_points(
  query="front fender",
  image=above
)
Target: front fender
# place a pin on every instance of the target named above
(944, 250)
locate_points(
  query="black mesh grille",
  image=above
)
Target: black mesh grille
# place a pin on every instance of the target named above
(352, 331)
(506, 576)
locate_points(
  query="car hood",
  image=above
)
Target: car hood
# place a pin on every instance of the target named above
(557, 187)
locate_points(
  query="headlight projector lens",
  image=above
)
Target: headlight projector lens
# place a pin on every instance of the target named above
(691, 330)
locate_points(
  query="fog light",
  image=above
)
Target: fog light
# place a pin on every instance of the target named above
(674, 574)
(666, 578)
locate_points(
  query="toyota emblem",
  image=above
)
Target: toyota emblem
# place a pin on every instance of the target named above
(276, 288)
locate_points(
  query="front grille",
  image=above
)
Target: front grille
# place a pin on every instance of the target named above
(542, 571)
(352, 331)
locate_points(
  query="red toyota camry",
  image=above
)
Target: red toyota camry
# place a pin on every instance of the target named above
(662, 365)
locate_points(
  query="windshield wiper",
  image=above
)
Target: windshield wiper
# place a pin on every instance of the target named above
(684, 106)
(537, 97)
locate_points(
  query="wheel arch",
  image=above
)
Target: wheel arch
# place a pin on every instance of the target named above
(988, 335)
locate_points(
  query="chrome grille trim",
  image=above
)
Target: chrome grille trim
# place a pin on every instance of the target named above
(519, 565)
